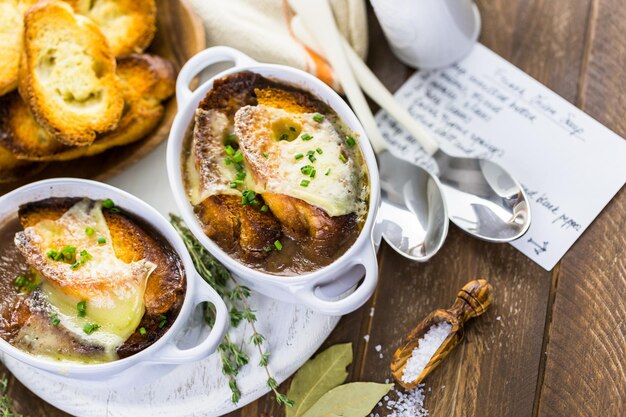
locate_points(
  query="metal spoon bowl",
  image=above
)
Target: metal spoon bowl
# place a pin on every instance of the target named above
(483, 199)
(413, 217)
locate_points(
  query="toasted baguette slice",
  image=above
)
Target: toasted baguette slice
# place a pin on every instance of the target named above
(11, 34)
(67, 74)
(128, 25)
(12, 168)
(146, 80)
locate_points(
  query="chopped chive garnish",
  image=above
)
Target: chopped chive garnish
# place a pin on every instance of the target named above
(108, 203)
(233, 184)
(298, 156)
(142, 331)
(284, 136)
(342, 158)
(278, 245)
(238, 156)
(68, 251)
(240, 175)
(327, 172)
(305, 183)
(230, 151)
(264, 208)
(312, 158)
(114, 210)
(228, 161)
(309, 153)
(89, 328)
(86, 255)
(319, 151)
(306, 170)
(231, 137)
(55, 320)
(293, 129)
(318, 118)
(265, 154)
(312, 174)
(20, 281)
(52, 254)
(306, 136)
(350, 141)
(82, 308)
(163, 321)
(75, 265)
(101, 240)
(89, 231)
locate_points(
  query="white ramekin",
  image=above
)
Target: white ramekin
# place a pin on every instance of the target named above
(165, 350)
(325, 289)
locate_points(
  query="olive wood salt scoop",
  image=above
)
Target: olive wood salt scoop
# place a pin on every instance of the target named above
(471, 301)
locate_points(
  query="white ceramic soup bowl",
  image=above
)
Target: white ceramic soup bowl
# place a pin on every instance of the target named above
(327, 289)
(165, 350)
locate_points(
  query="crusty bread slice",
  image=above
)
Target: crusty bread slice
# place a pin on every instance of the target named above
(12, 168)
(145, 80)
(67, 74)
(11, 34)
(128, 25)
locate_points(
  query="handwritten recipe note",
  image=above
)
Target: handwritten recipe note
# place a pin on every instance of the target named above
(568, 163)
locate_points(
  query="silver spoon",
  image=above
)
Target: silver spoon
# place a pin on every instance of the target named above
(413, 216)
(483, 199)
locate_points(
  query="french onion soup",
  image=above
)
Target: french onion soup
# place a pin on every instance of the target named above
(275, 177)
(84, 281)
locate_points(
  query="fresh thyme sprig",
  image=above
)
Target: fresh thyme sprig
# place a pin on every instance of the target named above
(6, 403)
(236, 297)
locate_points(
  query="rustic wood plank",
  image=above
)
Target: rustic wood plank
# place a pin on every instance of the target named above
(585, 372)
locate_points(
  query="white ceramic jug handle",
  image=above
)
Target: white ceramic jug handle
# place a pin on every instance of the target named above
(367, 258)
(175, 355)
(200, 62)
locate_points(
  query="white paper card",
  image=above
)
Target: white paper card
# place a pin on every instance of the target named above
(569, 164)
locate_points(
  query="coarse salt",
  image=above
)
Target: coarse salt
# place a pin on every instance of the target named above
(405, 404)
(366, 337)
(378, 348)
(426, 348)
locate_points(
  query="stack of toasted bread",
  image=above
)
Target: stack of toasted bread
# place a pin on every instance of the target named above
(74, 80)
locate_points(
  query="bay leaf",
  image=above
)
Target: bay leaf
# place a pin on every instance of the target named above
(356, 399)
(318, 376)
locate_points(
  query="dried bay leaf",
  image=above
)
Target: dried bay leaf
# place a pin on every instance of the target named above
(318, 376)
(356, 399)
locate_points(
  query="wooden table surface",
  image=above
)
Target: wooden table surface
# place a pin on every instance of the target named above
(559, 348)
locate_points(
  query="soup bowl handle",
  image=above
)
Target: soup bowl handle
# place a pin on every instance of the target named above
(172, 354)
(201, 61)
(352, 274)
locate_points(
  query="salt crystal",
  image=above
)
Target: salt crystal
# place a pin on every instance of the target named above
(366, 337)
(378, 348)
(380, 356)
(499, 318)
(426, 348)
(408, 404)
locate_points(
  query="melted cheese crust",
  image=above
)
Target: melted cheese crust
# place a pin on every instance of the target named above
(113, 290)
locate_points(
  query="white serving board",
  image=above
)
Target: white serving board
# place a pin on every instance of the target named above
(293, 335)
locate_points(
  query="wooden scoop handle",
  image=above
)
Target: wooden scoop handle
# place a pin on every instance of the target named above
(473, 300)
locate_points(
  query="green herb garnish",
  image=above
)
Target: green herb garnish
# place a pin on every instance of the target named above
(305, 183)
(55, 320)
(306, 136)
(20, 281)
(89, 231)
(89, 328)
(265, 154)
(264, 208)
(82, 308)
(350, 141)
(318, 118)
(306, 170)
(319, 151)
(327, 172)
(298, 156)
(108, 204)
(101, 240)
(142, 331)
(342, 158)
(278, 245)
(163, 321)
(230, 151)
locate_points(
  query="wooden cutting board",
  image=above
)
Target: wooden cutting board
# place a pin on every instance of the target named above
(179, 36)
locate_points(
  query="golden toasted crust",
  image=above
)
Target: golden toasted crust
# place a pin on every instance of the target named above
(128, 25)
(165, 288)
(11, 34)
(12, 168)
(145, 80)
(234, 226)
(67, 74)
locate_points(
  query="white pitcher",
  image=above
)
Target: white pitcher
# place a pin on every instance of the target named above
(429, 33)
